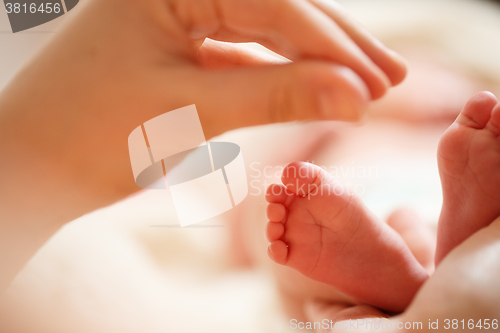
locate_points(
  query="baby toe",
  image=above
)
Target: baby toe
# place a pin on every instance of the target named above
(278, 252)
(276, 193)
(275, 212)
(274, 231)
(494, 123)
(477, 111)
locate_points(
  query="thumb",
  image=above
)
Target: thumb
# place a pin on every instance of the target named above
(240, 97)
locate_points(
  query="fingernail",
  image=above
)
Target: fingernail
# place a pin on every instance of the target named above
(333, 105)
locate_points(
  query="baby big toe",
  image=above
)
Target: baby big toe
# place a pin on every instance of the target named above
(301, 178)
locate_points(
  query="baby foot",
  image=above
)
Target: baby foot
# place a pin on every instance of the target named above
(326, 233)
(469, 166)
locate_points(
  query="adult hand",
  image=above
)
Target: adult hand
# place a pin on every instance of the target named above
(466, 285)
(65, 118)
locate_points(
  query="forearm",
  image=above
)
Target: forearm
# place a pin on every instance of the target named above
(61, 155)
(41, 189)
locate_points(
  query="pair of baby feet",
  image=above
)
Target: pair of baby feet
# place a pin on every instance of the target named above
(321, 229)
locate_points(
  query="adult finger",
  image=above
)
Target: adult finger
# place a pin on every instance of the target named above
(295, 25)
(393, 65)
(234, 98)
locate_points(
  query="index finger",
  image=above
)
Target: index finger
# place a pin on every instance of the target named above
(304, 30)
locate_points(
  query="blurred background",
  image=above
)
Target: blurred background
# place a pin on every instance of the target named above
(130, 268)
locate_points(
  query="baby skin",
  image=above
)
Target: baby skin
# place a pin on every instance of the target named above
(319, 228)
